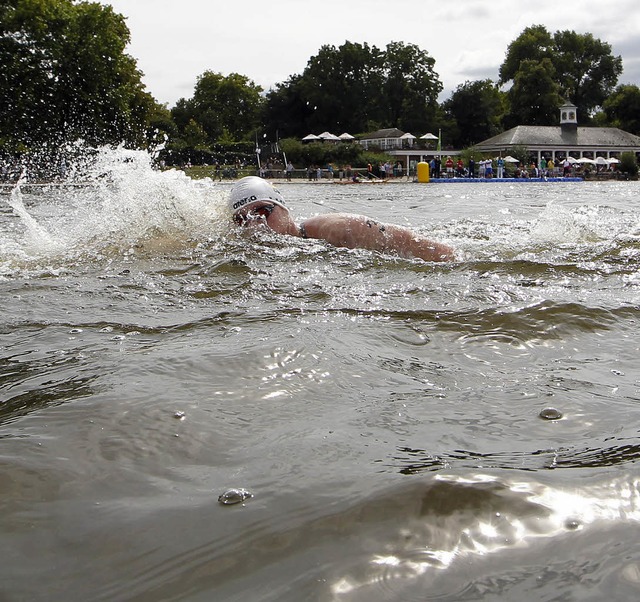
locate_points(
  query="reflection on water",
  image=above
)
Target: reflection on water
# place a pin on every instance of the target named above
(384, 413)
(458, 520)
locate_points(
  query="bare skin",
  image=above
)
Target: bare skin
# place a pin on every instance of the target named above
(356, 232)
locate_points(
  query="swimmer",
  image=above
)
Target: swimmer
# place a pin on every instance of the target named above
(254, 202)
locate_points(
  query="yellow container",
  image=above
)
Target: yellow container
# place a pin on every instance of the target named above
(423, 172)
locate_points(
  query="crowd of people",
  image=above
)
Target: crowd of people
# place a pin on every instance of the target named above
(497, 168)
(483, 168)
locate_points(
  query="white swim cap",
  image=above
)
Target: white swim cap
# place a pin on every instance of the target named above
(253, 189)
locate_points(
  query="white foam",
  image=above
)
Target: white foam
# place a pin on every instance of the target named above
(115, 199)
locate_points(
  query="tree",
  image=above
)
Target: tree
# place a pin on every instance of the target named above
(533, 44)
(534, 97)
(341, 87)
(477, 109)
(357, 88)
(194, 136)
(584, 69)
(233, 102)
(161, 125)
(411, 87)
(622, 108)
(286, 113)
(629, 164)
(182, 113)
(64, 75)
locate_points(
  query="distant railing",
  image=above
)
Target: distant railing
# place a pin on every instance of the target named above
(314, 174)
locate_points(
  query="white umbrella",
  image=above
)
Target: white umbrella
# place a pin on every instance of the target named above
(510, 159)
(311, 137)
(346, 136)
(428, 136)
(601, 161)
(586, 160)
(613, 160)
(328, 136)
(407, 136)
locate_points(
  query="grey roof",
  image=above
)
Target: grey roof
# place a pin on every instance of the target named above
(560, 137)
(386, 133)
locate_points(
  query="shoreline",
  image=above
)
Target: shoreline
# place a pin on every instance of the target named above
(281, 181)
(7, 187)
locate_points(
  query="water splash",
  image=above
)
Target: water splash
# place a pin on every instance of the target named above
(36, 236)
(112, 200)
(583, 224)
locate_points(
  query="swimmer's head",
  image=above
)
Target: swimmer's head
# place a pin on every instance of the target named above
(253, 190)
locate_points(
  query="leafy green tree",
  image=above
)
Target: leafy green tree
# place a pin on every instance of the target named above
(477, 108)
(286, 113)
(533, 44)
(182, 113)
(357, 88)
(534, 97)
(584, 68)
(622, 108)
(161, 125)
(64, 75)
(629, 164)
(233, 102)
(341, 87)
(411, 87)
(194, 136)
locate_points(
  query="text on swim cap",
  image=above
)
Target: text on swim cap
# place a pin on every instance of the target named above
(251, 199)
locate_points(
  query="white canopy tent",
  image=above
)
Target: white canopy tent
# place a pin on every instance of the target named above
(407, 139)
(328, 136)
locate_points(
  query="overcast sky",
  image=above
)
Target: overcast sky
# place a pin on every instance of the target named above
(267, 41)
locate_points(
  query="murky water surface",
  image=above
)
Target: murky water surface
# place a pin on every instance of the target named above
(382, 415)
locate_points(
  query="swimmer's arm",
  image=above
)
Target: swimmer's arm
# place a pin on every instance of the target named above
(356, 231)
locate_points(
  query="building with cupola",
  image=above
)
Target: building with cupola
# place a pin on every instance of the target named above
(563, 140)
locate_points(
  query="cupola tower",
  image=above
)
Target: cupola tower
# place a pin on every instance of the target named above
(568, 116)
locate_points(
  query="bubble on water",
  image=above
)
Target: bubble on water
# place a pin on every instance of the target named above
(573, 524)
(631, 573)
(550, 414)
(234, 496)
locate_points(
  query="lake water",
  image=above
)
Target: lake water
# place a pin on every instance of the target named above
(384, 413)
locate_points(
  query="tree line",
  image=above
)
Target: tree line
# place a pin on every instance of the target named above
(65, 75)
